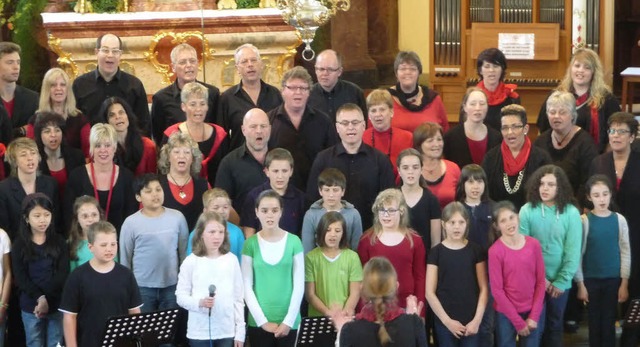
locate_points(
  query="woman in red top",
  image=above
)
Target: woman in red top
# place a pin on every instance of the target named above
(392, 238)
(135, 152)
(414, 104)
(381, 135)
(211, 138)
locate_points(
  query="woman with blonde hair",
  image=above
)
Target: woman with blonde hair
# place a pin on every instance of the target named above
(392, 238)
(595, 101)
(101, 178)
(56, 96)
(381, 322)
(180, 163)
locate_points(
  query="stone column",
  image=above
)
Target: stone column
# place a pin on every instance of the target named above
(349, 36)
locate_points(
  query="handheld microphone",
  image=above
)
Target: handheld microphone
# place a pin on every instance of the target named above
(212, 293)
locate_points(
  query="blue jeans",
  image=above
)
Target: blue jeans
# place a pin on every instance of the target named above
(488, 324)
(554, 319)
(447, 339)
(602, 310)
(213, 343)
(157, 299)
(39, 329)
(506, 332)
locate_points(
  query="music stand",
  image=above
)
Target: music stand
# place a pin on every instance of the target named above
(632, 318)
(140, 330)
(316, 332)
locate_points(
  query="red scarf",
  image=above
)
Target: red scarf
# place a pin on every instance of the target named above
(391, 312)
(502, 92)
(595, 117)
(512, 166)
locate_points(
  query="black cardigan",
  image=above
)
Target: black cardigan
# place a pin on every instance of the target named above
(406, 331)
(494, 167)
(456, 148)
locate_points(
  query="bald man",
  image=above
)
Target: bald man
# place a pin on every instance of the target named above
(331, 92)
(107, 80)
(242, 169)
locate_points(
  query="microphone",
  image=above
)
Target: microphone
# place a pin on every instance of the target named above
(212, 293)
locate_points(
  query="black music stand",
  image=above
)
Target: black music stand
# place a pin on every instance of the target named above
(632, 318)
(140, 330)
(316, 332)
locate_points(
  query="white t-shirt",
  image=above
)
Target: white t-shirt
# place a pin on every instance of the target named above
(5, 246)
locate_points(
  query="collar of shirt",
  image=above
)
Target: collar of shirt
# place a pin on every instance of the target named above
(115, 78)
(340, 150)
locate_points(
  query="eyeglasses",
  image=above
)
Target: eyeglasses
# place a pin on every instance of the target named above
(298, 89)
(326, 69)
(513, 128)
(106, 51)
(388, 211)
(408, 69)
(612, 131)
(345, 123)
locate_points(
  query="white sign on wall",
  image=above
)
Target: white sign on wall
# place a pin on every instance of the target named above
(517, 46)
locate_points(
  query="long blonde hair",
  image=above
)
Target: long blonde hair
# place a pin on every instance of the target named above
(49, 79)
(379, 286)
(598, 89)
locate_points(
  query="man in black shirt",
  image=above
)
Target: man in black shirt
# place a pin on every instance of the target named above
(295, 126)
(331, 92)
(368, 171)
(19, 103)
(243, 168)
(250, 93)
(107, 80)
(165, 107)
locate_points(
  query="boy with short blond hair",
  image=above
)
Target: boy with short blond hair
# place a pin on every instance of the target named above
(331, 185)
(97, 290)
(278, 166)
(217, 200)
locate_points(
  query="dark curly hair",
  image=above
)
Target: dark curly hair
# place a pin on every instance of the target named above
(564, 192)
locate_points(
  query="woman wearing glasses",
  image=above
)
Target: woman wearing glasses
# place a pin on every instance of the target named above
(622, 165)
(569, 146)
(414, 104)
(392, 238)
(509, 166)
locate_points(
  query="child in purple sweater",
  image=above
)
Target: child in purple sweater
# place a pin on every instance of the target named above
(516, 273)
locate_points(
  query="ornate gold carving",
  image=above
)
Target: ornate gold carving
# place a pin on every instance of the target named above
(285, 61)
(64, 59)
(176, 38)
(267, 3)
(227, 4)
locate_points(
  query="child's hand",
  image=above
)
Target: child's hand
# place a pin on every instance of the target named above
(456, 328)
(269, 327)
(554, 291)
(282, 330)
(531, 324)
(583, 294)
(339, 319)
(472, 327)
(207, 302)
(524, 332)
(623, 293)
(237, 343)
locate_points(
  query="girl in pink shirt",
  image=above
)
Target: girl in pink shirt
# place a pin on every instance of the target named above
(516, 274)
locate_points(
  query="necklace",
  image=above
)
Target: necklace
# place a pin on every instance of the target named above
(194, 139)
(560, 142)
(516, 187)
(181, 192)
(373, 140)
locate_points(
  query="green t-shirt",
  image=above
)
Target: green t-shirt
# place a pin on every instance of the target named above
(332, 278)
(273, 284)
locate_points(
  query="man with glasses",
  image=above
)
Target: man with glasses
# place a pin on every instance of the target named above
(166, 107)
(331, 92)
(108, 80)
(18, 103)
(299, 128)
(368, 171)
(250, 93)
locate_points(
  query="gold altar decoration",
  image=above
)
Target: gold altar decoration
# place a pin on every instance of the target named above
(65, 60)
(306, 16)
(159, 50)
